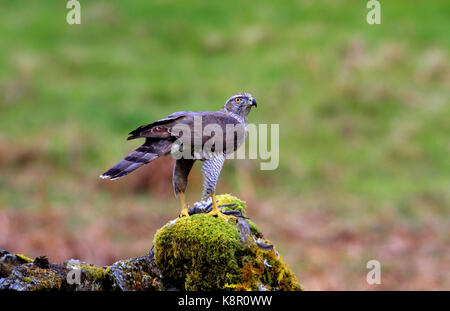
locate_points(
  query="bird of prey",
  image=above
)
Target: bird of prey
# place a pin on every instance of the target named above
(164, 136)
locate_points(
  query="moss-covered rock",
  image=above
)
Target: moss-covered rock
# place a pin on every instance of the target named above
(232, 203)
(24, 274)
(24, 258)
(202, 252)
(198, 252)
(30, 277)
(91, 277)
(137, 274)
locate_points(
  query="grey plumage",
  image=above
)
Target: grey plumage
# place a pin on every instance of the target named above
(149, 151)
(211, 169)
(161, 135)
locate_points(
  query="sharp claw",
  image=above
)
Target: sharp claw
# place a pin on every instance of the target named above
(216, 212)
(184, 212)
(220, 215)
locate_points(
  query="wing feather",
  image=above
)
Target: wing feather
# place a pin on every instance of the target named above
(158, 128)
(163, 128)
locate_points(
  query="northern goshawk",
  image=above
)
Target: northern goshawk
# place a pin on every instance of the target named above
(204, 143)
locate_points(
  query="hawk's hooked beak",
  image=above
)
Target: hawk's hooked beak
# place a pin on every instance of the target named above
(253, 102)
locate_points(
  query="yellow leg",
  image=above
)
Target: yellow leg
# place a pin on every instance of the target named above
(216, 212)
(184, 209)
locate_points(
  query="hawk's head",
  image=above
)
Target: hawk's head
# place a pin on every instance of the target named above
(240, 104)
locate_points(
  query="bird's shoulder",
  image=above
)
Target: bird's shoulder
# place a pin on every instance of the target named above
(205, 117)
(162, 128)
(219, 117)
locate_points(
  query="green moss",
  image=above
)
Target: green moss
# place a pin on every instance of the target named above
(42, 279)
(198, 252)
(202, 252)
(264, 268)
(228, 199)
(253, 227)
(93, 277)
(24, 258)
(95, 273)
(133, 274)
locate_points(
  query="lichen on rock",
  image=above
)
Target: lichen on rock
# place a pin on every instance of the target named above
(91, 277)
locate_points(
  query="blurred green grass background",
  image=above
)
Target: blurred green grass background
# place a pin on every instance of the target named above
(363, 112)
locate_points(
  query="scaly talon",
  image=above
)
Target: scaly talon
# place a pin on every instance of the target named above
(216, 212)
(184, 209)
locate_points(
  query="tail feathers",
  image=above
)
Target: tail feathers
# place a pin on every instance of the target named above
(133, 161)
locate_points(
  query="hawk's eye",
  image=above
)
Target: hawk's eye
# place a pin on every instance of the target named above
(238, 100)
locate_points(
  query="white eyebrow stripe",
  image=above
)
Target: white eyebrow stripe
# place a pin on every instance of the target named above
(239, 95)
